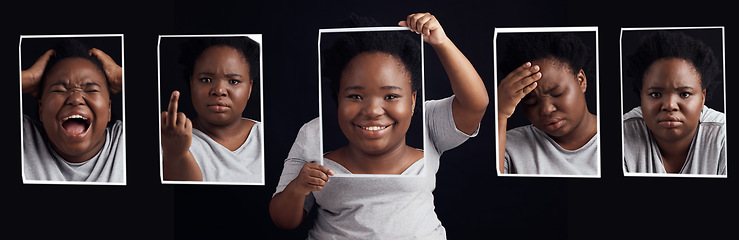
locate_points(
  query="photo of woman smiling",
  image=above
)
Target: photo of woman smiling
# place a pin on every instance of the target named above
(375, 80)
(673, 129)
(75, 138)
(548, 75)
(214, 142)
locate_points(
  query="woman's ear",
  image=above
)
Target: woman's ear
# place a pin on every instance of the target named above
(582, 80)
(413, 105)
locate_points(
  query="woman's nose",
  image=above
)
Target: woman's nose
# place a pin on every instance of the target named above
(669, 103)
(75, 98)
(219, 89)
(373, 108)
(547, 107)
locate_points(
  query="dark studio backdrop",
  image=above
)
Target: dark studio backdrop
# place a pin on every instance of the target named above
(471, 201)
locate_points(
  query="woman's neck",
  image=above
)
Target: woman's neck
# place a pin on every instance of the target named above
(674, 153)
(231, 135)
(393, 161)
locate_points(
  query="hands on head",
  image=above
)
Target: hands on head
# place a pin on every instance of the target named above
(31, 77)
(515, 86)
(511, 90)
(113, 72)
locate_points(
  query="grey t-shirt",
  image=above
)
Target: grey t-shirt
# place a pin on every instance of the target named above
(41, 162)
(372, 207)
(219, 164)
(706, 155)
(529, 150)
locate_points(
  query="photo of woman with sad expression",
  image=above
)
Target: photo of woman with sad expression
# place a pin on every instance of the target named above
(672, 130)
(548, 76)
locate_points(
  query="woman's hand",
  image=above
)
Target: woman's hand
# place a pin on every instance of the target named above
(312, 177)
(176, 129)
(512, 89)
(286, 207)
(31, 77)
(515, 87)
(177, 161)
(113, 72)
(471, 97)
(426, 24)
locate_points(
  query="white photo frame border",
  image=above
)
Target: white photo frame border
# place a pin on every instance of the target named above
(257, 38)
(123, 109)
(621, 70)
(422, 101)
(597, 92)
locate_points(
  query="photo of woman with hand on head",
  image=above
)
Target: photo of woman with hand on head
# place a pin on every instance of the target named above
(75, 138)
(673, 130)
(547, 77)
(218, 144)
(376, 89)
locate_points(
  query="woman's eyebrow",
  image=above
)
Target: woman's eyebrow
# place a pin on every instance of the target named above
(233, 75)
(551, 89)
(355, 87)
(212, 74)
(391, 88)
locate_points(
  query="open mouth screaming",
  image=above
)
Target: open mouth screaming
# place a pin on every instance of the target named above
(75, 124)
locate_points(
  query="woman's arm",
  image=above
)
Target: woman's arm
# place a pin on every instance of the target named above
(178, 163)
(511, 90)
(286, 207)
(471, 97)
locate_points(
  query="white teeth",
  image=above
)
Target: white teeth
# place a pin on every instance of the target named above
(374, 128)
(74, 116)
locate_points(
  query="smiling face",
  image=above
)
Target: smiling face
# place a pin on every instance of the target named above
(375, 102)
(672, 99)
(220, 85)
(557, 105)
(75, 108)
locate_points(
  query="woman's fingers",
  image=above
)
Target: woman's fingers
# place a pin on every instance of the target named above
(316, 175)
(522, 77)
(172, 108)
(113, 72)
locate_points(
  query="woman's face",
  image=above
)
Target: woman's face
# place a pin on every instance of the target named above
(672, 99)
(375, 102)
(557, 104)
(220, 85)
(75, 108)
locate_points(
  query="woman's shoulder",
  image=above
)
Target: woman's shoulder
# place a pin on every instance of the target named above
(634, 113)
(711, 115)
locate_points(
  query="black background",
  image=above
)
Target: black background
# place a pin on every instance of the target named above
(470, 200)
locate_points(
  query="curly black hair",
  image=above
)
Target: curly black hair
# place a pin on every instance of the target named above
(672, 44)
(194, 47)
(401, 46)
(71, 48)
(566, 48)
